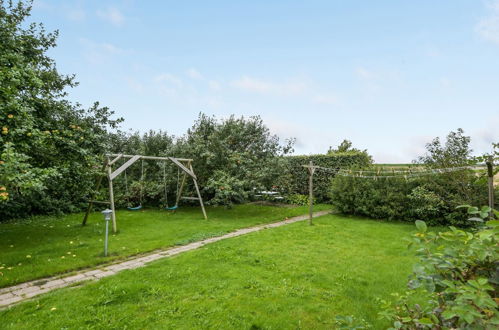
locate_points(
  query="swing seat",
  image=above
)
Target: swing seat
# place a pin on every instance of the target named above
(172, 208)
(136, 208)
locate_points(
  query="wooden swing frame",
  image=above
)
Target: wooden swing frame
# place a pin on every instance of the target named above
(184, 164)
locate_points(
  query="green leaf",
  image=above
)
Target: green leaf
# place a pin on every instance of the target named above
(421, 226)
(493, 223)
(425, 321)
(486, 209)
(448, 314)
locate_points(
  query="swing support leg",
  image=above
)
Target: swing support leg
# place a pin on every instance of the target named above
(179, 193)
(92, 199)
(111, 198)
(200, 199)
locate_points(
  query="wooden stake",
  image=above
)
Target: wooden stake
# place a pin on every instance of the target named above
(311, 170)
(182, 184)
(94, 194)
(199, 194)
(111, 197)
(490, 181)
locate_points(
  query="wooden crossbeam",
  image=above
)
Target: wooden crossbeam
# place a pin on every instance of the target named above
(190, 198)
(124, 167)
(149, 157)
(116, 159)
(183, 168)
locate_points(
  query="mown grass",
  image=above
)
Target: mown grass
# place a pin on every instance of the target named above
(45, 246)
(291, 277)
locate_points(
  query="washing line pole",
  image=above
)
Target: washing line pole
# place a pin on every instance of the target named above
(490, 181)
(311, 170)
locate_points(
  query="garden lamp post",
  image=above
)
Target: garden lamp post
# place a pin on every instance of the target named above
(107, 216)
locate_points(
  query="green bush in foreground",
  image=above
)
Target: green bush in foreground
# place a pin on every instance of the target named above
(456, 283)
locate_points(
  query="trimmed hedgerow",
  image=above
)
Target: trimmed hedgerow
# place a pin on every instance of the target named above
(432, 199)
(294, 179)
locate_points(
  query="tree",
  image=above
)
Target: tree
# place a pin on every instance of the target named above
(48, 145)
(346, 146)
(455, 152)
(233, 156)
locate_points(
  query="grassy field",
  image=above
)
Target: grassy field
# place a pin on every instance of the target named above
(291, 277)
(44, 246)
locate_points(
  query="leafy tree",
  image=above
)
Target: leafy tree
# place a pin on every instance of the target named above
(455, 152)
(346, 147)
(48, 145)
(233, 156)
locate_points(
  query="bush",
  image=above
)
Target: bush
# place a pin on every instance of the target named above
(297, 199)
(433, 200)
(293, 178)
(454, 284)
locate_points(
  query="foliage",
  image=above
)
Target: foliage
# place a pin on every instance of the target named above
(431, 198)
(455, 283)
(455, 152)
(347, 146)
(226, 189)
(48, 146)
(232, 158)
(298, 199)
(351, 323)
(293, 179)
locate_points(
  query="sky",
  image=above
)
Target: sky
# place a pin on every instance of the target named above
(388, 75)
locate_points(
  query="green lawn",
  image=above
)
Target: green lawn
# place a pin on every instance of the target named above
(295, 276)
(45, 246)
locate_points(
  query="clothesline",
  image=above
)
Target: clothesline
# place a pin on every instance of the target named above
(402, 174)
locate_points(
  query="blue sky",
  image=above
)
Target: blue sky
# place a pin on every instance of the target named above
(388, 75)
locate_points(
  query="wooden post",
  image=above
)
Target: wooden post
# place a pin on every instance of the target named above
(181, 189)
(92, 198)
(111, 197)
(311, 170)
(490, 181)
(199, 193)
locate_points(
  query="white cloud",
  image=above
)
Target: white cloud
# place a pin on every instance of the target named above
(445, 82)
(482, 139)
(76, 14)
(169, 79)
(433, 52)
(112, 15)
(488, 27)
(214, 85)
(265, 87)
(98, 53)
(325, 99)
(194, 74)
(134, 85)
(363, 73)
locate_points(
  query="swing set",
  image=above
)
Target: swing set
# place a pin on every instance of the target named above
(184, 165)
(130, 207)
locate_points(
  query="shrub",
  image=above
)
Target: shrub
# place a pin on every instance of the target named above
(433, 200)
(297, 199)
(454, 284)
(293, 179)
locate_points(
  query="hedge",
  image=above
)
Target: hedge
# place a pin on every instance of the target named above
(294, 179)
(433, 199)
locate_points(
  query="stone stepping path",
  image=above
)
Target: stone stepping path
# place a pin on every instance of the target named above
(17, 293)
